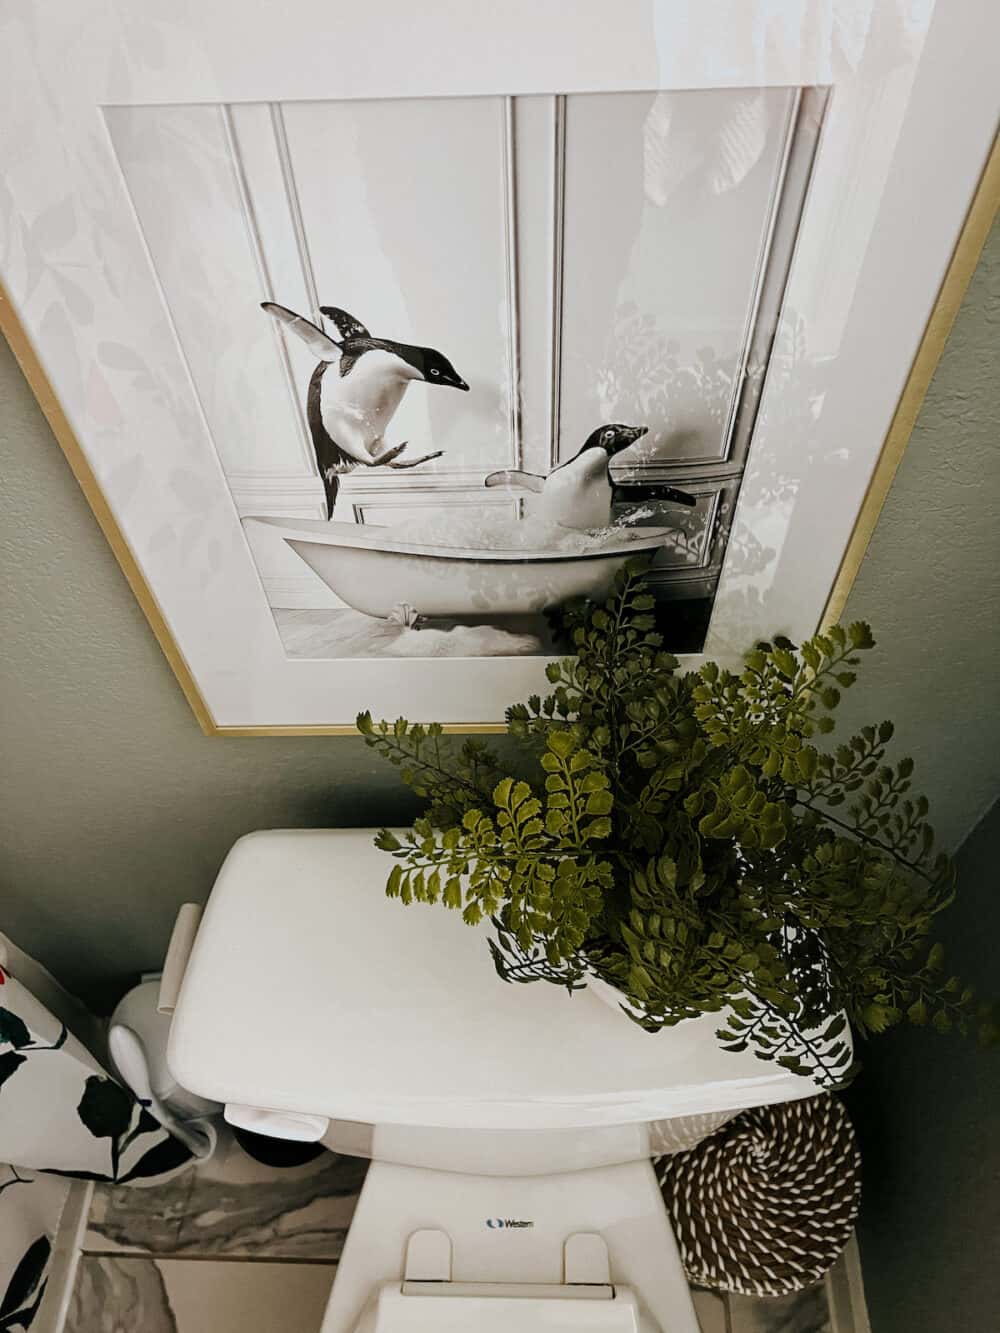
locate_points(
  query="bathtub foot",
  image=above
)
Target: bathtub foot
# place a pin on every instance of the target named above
(405, 614)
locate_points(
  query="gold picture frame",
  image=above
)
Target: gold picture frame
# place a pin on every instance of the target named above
(962, 265)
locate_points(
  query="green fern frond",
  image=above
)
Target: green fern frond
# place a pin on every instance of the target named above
(693, 840)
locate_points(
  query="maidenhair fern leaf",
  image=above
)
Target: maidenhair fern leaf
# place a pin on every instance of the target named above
(693, 841)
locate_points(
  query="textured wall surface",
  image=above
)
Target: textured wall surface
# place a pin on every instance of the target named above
(929, 583)
(925, 1108)
(925, 1105)
(116, 809)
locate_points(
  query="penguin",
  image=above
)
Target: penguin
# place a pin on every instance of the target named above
(349, 408)
(580, 492)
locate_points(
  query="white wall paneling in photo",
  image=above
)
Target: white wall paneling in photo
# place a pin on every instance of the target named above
(591, 258)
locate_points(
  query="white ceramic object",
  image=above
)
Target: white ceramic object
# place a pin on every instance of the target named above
(298, 939)
(431, 1297)
(138, 1012)
(559, 1311)
(621, 1204)
(611, 995)
(129, 1058)
(137, 1043)
(508, 1117)
(376, 573)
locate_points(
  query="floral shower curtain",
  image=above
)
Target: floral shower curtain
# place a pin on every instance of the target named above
(62, 1117)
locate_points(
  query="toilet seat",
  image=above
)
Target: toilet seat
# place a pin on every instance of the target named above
(428, 1301)
(430, 1249)
(489, 1309)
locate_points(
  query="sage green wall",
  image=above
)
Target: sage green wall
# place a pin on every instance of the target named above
(925, 1107)
(930, 583)
(116, 809)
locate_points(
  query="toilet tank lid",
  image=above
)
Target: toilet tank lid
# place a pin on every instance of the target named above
(309, 991)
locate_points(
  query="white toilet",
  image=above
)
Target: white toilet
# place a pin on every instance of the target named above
(511, 1127)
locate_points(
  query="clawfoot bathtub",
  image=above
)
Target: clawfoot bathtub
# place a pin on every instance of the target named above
(374, 572)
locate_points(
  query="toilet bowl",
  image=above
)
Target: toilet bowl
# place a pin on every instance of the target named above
(511, 1128)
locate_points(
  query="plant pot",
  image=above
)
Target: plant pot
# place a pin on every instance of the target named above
(612, 996)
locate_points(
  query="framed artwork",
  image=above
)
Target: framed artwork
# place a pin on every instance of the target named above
(375, 334)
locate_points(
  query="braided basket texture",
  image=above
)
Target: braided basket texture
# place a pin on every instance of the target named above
(766, 1205)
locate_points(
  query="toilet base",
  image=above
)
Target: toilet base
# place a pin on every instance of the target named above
(507, 1229)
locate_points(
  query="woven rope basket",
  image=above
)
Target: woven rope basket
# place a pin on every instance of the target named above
(766, 1205)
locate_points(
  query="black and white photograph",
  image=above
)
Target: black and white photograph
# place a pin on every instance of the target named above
(439, 433)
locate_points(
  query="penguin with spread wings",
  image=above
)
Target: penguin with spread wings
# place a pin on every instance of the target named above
(355, 390)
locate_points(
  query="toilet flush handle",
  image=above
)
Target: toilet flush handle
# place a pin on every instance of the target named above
(298, 1126)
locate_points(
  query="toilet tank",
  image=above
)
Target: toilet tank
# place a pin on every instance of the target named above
(310, 998)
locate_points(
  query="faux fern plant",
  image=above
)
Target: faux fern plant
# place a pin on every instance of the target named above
(684, 838)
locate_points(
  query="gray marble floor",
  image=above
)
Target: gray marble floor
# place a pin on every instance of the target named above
(120, 1294)
(232, 1207)
(160, 1259)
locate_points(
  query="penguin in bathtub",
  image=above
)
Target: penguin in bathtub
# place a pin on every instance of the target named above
(580, 492)
(348, 409)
